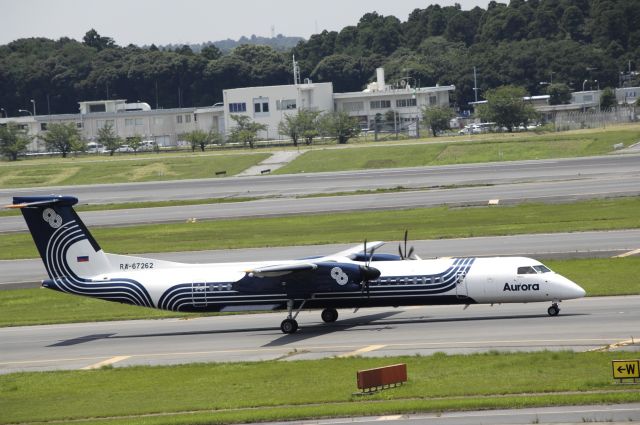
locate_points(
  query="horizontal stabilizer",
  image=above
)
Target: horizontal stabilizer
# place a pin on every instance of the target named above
(40, 201)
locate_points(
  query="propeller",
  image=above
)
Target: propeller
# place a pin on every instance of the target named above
(404, 255)
(368, 273)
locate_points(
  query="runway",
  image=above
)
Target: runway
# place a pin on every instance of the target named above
(600, 167)
(583, 324)
(29, 273)
(548, 191)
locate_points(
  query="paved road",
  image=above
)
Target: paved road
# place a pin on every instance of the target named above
(28, 273)
(297, 184)
(583, 324)
(552, 191)
(566, 415)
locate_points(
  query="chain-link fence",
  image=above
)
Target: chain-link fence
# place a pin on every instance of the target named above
(595, 119)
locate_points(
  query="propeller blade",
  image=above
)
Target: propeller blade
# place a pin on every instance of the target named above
(410, 255)
(406, 237)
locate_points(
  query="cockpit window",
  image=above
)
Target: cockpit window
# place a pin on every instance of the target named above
(541, 269)
(526, 270)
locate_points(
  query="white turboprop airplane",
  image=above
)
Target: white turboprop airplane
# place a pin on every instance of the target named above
(76, 264)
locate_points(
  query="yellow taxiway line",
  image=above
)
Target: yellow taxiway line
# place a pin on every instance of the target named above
(107, 362)
(362, 350)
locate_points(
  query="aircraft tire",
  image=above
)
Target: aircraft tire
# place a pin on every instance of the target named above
(553, 310)
(329, 315)
(289, 326)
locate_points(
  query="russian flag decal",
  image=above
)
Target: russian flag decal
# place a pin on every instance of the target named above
(83, 259)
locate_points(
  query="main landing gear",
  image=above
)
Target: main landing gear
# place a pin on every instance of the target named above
(290, 325)
(553, 310)
(329, 315)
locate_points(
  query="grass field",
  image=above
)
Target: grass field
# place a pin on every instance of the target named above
(430, 151)
(232, 392)
(72, 171)
(38, 306)
(484, 148)
(423, 223)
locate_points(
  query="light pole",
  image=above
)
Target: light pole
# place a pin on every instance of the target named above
(34, 107)
(5, 112)
(583, 84)
(24, 110)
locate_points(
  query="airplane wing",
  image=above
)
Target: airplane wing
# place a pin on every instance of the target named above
(357, 249)
(282, 269)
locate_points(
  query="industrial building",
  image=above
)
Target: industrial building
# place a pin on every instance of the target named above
(266, 105)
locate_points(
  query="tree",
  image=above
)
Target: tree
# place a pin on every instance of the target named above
(608, 99)
(135, 142)
(13, 141)
(308, 124)
(93, 39)
(289, 127)
(61, 137)
(245, 130)
(198, 138)
(437, 118)
(506, 107)
(559, 94)
(210, 52)
(340, 125)
(109, 139)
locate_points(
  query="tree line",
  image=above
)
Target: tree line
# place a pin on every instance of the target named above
(524, 43)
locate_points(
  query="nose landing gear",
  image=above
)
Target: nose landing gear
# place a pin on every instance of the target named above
(553, 310)
(290, 324)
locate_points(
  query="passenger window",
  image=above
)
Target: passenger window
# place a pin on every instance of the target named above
(526, 270)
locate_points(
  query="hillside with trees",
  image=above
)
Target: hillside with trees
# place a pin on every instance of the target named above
(523, 44)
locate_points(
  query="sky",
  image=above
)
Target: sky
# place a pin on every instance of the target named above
(143, 22)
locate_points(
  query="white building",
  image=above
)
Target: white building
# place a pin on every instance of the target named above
(164, 126)
(269, 104)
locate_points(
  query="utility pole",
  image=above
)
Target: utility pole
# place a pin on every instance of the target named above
(475, 83)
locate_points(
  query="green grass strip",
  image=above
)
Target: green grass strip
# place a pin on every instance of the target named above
(485, 148)
(275, 390)
(123, 170)
(423, 223)
(39, 306)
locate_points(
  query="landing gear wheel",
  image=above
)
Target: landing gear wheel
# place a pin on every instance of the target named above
(289, 326)
(553, 310)
(329, 315)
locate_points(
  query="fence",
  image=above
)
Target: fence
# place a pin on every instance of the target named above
(594, 119)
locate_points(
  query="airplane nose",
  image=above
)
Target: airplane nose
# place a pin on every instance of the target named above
(571, 289)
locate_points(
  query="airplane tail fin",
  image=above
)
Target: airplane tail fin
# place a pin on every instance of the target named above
(65, 244)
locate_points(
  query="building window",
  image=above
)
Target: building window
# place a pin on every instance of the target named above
(405, 103)
(158, 120)
(187, 118)
(138, 121)
(352, 106)
(98, 108)
(105, 123)
(78, 125)
(43, 126)
(285, 104)
(261, 105)
(380, 104)
(433, 100)
(128, 122)
(238, 107)
(179, 119)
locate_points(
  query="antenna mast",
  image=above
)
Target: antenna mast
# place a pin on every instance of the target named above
(296, 72)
